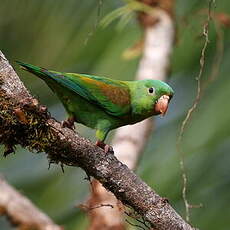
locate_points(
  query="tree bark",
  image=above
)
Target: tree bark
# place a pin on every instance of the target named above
(25, 122)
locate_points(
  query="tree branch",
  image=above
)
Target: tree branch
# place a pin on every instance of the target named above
(24, 121)
(21, 211)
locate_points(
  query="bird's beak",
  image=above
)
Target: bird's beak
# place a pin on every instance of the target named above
(161, 105)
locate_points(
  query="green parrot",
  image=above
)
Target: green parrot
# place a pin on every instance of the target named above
(102, 103)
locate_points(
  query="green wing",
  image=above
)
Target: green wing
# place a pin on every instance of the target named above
(111, 95)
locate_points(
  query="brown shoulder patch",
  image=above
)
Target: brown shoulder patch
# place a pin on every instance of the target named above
(117, 95)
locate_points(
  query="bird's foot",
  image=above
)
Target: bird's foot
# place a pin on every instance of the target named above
(68, 123)
(105, 147)
(108, 149)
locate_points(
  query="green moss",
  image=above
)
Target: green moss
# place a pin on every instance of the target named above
(24, 124)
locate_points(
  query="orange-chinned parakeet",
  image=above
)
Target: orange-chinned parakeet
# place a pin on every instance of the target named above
(102, 103)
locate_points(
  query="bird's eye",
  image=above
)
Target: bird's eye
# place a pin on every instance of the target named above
(151, 90)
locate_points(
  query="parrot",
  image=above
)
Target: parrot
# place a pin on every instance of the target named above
(102, 103)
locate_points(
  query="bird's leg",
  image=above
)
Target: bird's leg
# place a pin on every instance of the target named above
(69, 123)
(105, 147)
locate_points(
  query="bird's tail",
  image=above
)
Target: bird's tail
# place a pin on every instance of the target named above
(38, 71)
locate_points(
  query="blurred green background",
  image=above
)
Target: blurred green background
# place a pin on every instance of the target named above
(65, 36)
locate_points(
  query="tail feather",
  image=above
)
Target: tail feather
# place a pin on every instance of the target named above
(38, 71)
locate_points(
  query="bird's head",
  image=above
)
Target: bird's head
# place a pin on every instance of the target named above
(151, 97)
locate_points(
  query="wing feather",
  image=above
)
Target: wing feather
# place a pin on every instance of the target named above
(111, 95)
